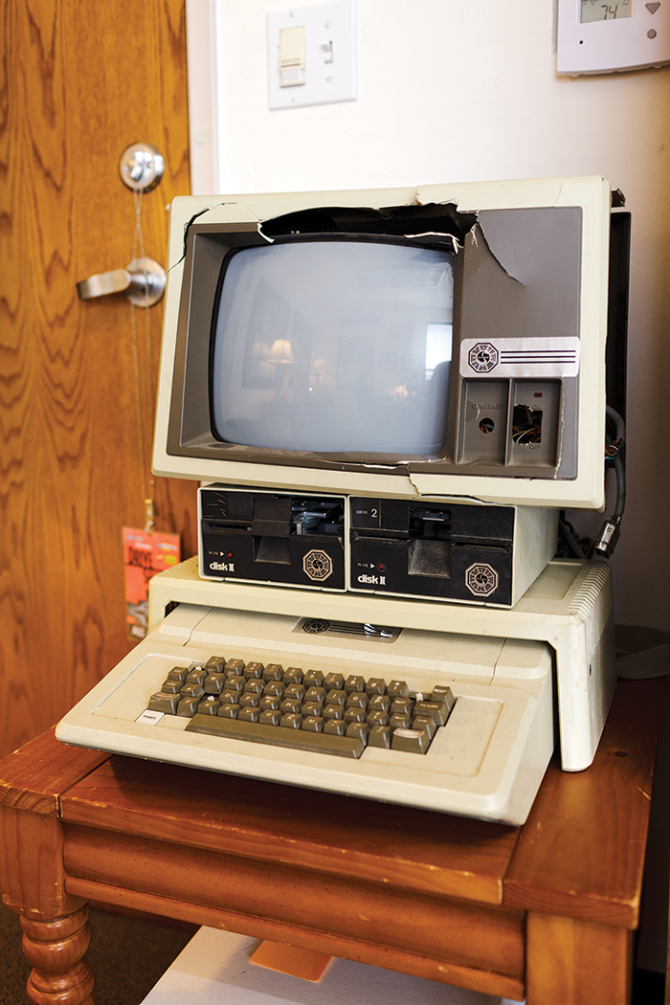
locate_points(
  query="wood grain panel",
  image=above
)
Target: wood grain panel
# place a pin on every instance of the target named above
(581, 852)
(470, 935)
(486, 981)
(416, 849)
(79, 83)
(570, 960)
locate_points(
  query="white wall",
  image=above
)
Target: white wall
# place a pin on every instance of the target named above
(451, 90)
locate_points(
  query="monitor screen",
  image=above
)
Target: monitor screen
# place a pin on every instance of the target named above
(446, 341)
(334, 346)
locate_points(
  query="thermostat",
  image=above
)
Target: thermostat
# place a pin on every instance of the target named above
(599, 37)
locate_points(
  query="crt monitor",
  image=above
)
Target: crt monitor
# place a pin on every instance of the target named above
(445, 341)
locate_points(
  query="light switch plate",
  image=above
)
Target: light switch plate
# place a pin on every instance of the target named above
(330, 54)
(602, 36)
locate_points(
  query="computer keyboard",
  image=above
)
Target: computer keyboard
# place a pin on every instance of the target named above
(449, 722)
(303, 709)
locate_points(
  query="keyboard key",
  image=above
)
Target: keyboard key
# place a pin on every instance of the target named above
(402, 706)
(333, 712)
(273, 672)
(254, 686)
(398, 689)
(334, 681)
(379, 703)
(380, 736)
(230, 697)
(437, 710)
(292, 720)
(314, 723)
(377, 719)
(188, 706)
(249, 700)
(274, 687)
(335, 727)
(171, 686)
(315, 693)
(293, 675)
(295, 691)
(427, 724)
(354, 683)
(228, 711)
(442, 692)
(162, 702)
(358, 731)
(313, 678)
(214, 683)
(235, 683)
(400, 721)
(270, 702)
(269, 717)
(234, 668)
(192, 692)
(209, 706)
(312, 708)
(336, 697)
(249, 714)
(215, 664)
(355, 715)
(375, 685)
(304, 739)
(290, 706)
(196, 676)
(178, 673)
(415, 741)
(254, 670)
(357, 699)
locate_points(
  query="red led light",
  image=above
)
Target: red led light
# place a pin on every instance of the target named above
(381, 567)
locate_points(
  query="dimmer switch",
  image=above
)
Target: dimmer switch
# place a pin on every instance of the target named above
(291, 56)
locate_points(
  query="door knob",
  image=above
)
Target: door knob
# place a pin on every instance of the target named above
(142, 281)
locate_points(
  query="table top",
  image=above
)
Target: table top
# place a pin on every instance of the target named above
(580, 854)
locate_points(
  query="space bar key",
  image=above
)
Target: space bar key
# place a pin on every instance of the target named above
(277, 736)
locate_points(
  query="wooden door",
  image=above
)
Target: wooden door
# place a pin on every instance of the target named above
(80, 82)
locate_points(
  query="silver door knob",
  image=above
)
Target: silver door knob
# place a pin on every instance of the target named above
(142, 281)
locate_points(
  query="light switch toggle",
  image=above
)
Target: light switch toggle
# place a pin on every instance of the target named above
(291, 57)
(327, 49)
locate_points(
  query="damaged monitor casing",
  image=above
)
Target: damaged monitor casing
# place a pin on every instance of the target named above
(530, 273)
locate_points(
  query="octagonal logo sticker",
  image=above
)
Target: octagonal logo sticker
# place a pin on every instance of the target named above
(483, 357)
(317, 565)
(481, 579)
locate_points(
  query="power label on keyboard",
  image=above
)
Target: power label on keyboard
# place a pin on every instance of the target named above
(304, 709)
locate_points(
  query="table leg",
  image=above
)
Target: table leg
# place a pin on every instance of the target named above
(60, 975)
(574, 962)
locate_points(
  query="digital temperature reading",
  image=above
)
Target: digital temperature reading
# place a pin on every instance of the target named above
(596, 10)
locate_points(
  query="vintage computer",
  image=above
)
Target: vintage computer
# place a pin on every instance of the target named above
(387, 396)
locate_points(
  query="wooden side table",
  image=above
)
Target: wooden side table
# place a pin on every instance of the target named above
(545, 911)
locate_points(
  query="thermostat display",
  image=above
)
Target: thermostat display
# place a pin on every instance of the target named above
(594, 10)
(595, 36)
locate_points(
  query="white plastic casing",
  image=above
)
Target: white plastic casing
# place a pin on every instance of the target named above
(641, 39)
(590, 194)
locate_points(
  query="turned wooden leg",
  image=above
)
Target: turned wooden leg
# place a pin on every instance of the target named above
(60, 975)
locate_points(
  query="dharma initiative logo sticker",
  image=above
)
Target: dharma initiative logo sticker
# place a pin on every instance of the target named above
(481, 579)
(317, 565)
(483, 357)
